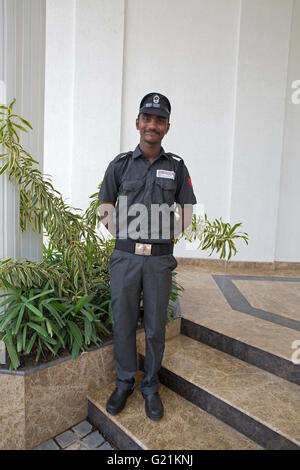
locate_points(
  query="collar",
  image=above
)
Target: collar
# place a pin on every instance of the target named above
(138, 153)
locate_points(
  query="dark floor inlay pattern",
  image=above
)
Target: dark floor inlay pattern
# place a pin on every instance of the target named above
(238, 302)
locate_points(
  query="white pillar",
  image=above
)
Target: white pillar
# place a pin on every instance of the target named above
(22, 70)
(288, 223)
(9, 201)
(259, 125)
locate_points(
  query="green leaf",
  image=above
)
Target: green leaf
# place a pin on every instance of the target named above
(67, 312)
(75, 350)
(15, 362)
(39, 329)
(76, 332)
(20, 127)
(39, 350)
(88, 315)
(49, 327)
(41, 294)
(26, 122)
(87, 331)
(10, 106)
(59, 306)
(36, 319)
(24, 336)
(50, 348)
(8, 285)
(3, 168)
(18, 323)
(59, 336)
(32, 307)
(234, 228)
(9, 318)
(31, 343)
(3, 262)
(55, 315)
(12, 160)
(19, 341)
(6, 301)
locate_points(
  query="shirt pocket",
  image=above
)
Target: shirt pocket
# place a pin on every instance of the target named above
(133, 190)
(164, 191)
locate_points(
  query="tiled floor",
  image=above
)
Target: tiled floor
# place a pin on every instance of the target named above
(262, 311)
(83, 436)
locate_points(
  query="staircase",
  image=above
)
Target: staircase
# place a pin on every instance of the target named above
(227, 378)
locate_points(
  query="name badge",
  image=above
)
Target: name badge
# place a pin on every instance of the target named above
(165, 174)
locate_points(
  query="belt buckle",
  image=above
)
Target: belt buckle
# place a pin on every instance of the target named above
(143, 249)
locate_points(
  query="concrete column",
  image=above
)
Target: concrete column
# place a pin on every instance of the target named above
(22, 65)
(288, 224)
(262, 69)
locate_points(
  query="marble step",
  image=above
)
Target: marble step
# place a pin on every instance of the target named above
(183, 426)
(262, 406)
(242, 345)
(254, 318)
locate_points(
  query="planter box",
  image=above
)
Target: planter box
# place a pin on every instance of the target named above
(37, 403)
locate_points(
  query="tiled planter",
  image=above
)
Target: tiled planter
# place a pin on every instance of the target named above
(40, 402)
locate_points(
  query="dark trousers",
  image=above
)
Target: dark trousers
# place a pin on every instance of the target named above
(129, 275)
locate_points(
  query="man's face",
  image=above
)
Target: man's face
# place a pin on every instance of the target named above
(152, 128)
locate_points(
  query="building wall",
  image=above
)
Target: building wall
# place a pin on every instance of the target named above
(226, 67)
(287, 239)
(259, 122)
(59, 92)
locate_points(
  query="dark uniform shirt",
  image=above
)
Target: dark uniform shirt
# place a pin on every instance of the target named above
(157, 187)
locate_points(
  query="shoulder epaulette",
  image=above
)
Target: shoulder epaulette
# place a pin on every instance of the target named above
(176, 157)
(122, 155)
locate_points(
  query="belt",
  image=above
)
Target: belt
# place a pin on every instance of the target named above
(154, 249)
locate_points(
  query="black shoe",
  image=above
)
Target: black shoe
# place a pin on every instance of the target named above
(153, 406)
(117, 400)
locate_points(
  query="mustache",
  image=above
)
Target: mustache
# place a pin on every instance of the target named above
(153, 132)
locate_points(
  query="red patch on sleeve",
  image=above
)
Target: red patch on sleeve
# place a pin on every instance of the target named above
(190, 182)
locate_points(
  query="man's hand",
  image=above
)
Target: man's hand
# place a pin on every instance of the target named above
(106, 210)
(185, 220)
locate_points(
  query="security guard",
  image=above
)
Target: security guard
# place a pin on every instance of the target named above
(138, 196)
